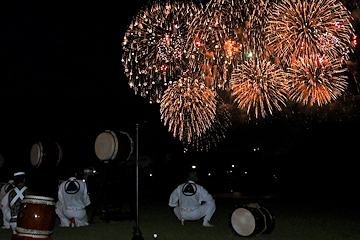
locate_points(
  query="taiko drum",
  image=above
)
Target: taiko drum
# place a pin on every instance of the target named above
(111, 145)
(45, 154)
(36, 217)
(252, 220)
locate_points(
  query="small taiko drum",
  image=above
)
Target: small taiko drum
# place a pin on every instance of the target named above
(252, 220)
(36, 217)
(111, 145)
(45, 154)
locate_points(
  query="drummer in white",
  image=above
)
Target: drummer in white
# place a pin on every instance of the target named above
(4, 190)
(12, 201)
(73, 198)
(192, 202)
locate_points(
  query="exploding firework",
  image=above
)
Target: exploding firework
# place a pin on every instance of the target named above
(154, 47)
(227, 33)
(188, 107)
(215, 42)
(213, 135)
(316, 80)
(259, 86)
(306, 27)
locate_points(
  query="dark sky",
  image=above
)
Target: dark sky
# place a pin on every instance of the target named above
(61, 76)
(61, 80)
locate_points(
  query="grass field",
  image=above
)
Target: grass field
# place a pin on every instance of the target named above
(305, 218)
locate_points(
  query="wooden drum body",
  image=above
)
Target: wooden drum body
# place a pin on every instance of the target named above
(252, 220)
(111, 145)
(45, 154)
(36, 217)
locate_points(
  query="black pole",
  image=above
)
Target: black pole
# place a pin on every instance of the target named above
(137, 232)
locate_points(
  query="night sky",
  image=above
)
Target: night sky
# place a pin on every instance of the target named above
(61, 80)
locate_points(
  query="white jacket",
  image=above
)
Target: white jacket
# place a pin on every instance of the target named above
(189, 196)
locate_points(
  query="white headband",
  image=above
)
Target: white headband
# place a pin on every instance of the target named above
(18, 174)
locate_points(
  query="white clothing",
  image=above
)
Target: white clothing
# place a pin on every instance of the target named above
(73, 198)
(187, 199)
(10, 209)
(6, 213)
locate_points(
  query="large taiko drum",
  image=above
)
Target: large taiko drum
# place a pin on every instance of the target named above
(111, 145)
(252, 220)
(36, 217)
(45, 154)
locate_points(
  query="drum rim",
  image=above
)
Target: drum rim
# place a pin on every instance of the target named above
(131, 144)
(34, 197)
(39, 155)
(33, 232)
(60, 154)
(116, 147)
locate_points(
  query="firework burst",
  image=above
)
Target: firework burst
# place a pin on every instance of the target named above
(316, 80)
(259, 86)
(188, 107)
(214, 42)
(154, 47)
(225, 34)
(305, 27)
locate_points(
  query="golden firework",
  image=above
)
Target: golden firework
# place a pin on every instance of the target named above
(259, 87)
(154, 47)
(316, 80)
(302, 28)
(188, 107)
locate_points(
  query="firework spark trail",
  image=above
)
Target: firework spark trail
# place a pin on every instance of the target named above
(188, 107)
(317, 81)
(226, 33)
(305, 27)
(214, 43)
(260, 86)
(215, 133)
(154, 47)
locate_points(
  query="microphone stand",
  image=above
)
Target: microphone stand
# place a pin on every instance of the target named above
(137, 232)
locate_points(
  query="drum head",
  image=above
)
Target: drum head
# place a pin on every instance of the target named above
(243, 222)
(36, 154)
(105, 145)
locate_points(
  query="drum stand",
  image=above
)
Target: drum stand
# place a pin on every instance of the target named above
(137, 232)
(99, 196)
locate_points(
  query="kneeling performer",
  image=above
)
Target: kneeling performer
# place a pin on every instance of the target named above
(73, 198)
(192, 202)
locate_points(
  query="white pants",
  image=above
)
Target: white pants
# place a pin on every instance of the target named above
(65, 214)
(206, 210)
(6, 217)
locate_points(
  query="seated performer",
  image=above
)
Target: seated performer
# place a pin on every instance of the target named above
(73, 198)
(12, 201)
(4, 190)
(192, 202)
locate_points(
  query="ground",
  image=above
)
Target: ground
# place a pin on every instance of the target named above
(296, 218)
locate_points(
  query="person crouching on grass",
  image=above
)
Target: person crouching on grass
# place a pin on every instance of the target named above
(73, 199)
(192, 202)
